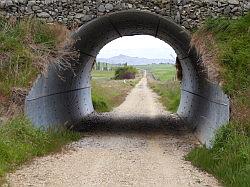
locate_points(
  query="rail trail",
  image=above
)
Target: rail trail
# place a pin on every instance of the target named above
(144, 152)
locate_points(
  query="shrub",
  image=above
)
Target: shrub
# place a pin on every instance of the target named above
(126, 72)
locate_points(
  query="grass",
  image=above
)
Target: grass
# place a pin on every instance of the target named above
(169, 92)
(97, 74)
(25, 49)
(162, 72)
(20, 142)
(108, 93)
(164, 86)
(229, 158)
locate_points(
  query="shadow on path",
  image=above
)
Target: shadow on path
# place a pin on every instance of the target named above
(107, 122)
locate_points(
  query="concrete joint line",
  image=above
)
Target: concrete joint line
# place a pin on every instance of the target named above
(83, 53)
(114, 27)
(184, 58)
(223, 104)
(157, 28)
(68, 91)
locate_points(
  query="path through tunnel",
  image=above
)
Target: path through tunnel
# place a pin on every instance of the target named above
(53, 100)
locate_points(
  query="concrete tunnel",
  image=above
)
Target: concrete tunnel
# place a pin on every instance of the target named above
(66, 99)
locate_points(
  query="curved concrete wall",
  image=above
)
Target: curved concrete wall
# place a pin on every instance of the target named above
(55, 101)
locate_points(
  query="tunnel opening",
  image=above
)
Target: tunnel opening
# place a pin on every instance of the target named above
(122, 64)
(51, 101)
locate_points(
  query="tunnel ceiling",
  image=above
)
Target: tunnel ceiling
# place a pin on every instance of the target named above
(56, 101)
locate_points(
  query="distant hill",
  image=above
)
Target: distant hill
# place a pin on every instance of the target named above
(121, 59)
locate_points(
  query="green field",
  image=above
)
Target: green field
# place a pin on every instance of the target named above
(108, 93)
(97, 74)
(162, 72)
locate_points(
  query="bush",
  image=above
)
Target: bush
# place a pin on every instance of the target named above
(126, 72)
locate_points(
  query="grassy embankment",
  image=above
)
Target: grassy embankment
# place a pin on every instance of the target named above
(25, 50)
(164, 85)
(229, 158)
(108, 93)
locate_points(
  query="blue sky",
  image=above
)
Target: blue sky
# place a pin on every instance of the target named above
(138, 46)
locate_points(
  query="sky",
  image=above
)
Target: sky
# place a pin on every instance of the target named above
(143, 46)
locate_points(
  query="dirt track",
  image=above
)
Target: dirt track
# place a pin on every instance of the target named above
(139, 154)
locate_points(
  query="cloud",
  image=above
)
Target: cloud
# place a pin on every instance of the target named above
(138, 46)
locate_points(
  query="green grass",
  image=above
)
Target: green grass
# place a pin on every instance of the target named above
(108, 93)
(169, 92)
(96, 74)
(233, 39)
(161, 72)
(229, 158)
(164, 86)
(18, 66)
(20, 142)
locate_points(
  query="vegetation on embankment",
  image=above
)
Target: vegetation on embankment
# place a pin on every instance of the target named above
(108, 93)
(169, 92)
(20, 142)
(165, 86)
(26, 49)
(229, 158)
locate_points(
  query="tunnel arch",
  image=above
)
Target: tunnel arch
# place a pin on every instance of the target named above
(53, 101)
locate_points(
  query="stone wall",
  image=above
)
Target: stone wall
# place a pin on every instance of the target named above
(188, 13)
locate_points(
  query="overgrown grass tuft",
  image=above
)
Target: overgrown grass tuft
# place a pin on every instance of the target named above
(233, 40)
(100, 103)
(169, 92)
(20, 142)
(25, 49)
(229, 158)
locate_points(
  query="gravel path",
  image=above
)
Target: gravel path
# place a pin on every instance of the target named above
(143, 152)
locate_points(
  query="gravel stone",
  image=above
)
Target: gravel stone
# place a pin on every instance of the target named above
(233, 2)
(193, 12)
(109, 7)
(101, 8)
(43, 15)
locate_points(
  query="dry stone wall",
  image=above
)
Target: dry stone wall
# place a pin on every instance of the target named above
(188, 13)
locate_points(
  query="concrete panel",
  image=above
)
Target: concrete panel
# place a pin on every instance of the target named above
(129, 23)
(90, 38)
